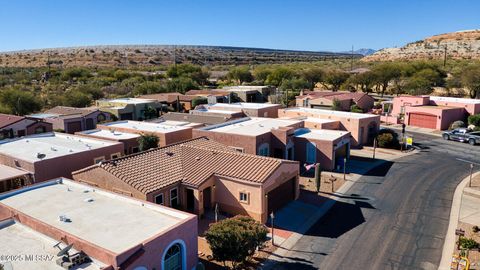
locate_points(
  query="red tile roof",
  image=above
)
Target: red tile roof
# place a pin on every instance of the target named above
(190, 162)
(8, 119)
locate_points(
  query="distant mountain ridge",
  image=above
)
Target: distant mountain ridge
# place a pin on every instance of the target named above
(457, 45)
(152, 55)
(362, 51)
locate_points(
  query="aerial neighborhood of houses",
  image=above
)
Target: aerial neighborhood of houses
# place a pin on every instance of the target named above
(169, 163)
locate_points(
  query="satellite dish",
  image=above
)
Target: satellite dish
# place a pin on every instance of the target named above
(65, 250)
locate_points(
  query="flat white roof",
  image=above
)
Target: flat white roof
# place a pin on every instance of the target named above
(330, 112)
(51, 145)
(162, 127)
(109, 134)
(130, 100)
(458, 100)
(253, 126)
(243, 105)
(320, 134)
(315, 120)
(18, 239)
(207, 110)
(105, 219)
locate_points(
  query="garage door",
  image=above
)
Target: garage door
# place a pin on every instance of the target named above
(73, 127)
(422, 120)
(281, 195)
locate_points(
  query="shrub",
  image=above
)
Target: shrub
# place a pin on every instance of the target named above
(387, 138)
(457, 124)
(354, 108)
(467, 243)
(147, 141)
(199, 100)
(235, 239)
(474, 120)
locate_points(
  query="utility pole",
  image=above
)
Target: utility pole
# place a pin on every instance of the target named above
(374, 146)
(445, 57)
(351, 60)
(344, 168)
(471, 172)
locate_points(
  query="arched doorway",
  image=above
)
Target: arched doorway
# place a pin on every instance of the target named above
(174, 257)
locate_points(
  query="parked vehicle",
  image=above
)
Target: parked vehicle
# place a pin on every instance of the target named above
(462, 135)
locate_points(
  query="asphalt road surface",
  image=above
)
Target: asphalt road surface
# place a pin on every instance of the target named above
(395, 217)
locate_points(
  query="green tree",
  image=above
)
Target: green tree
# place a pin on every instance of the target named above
(240, 74)
(149, 112)
(474, 120)
(334, 78)
(418, 85)
(312, 76)
(77, 99)
(147, 141)
(18, 102)
(291, 88)
(384, 73)
(363, 81)
(336, 106)
(470, 79)
(181, 85)
(198, 101)
(144, 88)
(188, 71)
(235, 239)
(278, 75)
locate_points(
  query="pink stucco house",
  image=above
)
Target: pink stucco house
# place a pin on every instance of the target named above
(18, 126)
(325, 100)
(198, 174)
(362, 126)
(105, 230)
(168, 132)
(71, 119)
(50, 155)
(431, 111)
(281, 138)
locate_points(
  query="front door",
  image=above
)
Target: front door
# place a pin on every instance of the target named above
(207, 198)
(190, 200)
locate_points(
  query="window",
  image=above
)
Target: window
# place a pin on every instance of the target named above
(244, 197)
(40, 129)
(98, 159)
(174, 197)
(263, 150)
(159, 199)
(134, 149)
(173, 258)
(115, 155)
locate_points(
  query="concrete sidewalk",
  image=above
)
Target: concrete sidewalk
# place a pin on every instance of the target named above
(299, 217)
(426, 131)
(465, 210)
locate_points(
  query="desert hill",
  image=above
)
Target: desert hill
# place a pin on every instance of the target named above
(457, 45)
(153, 55)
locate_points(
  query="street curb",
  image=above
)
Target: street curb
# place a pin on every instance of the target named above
(413, 131)
(450, 239)
(292, 240)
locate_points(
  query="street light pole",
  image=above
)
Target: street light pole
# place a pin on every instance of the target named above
(272, 216)
(471, 172)
(344, 167)
(374, 146)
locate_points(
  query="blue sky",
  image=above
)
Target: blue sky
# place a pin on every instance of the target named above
(290, 24)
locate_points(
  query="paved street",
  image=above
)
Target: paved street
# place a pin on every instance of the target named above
(395, 217)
